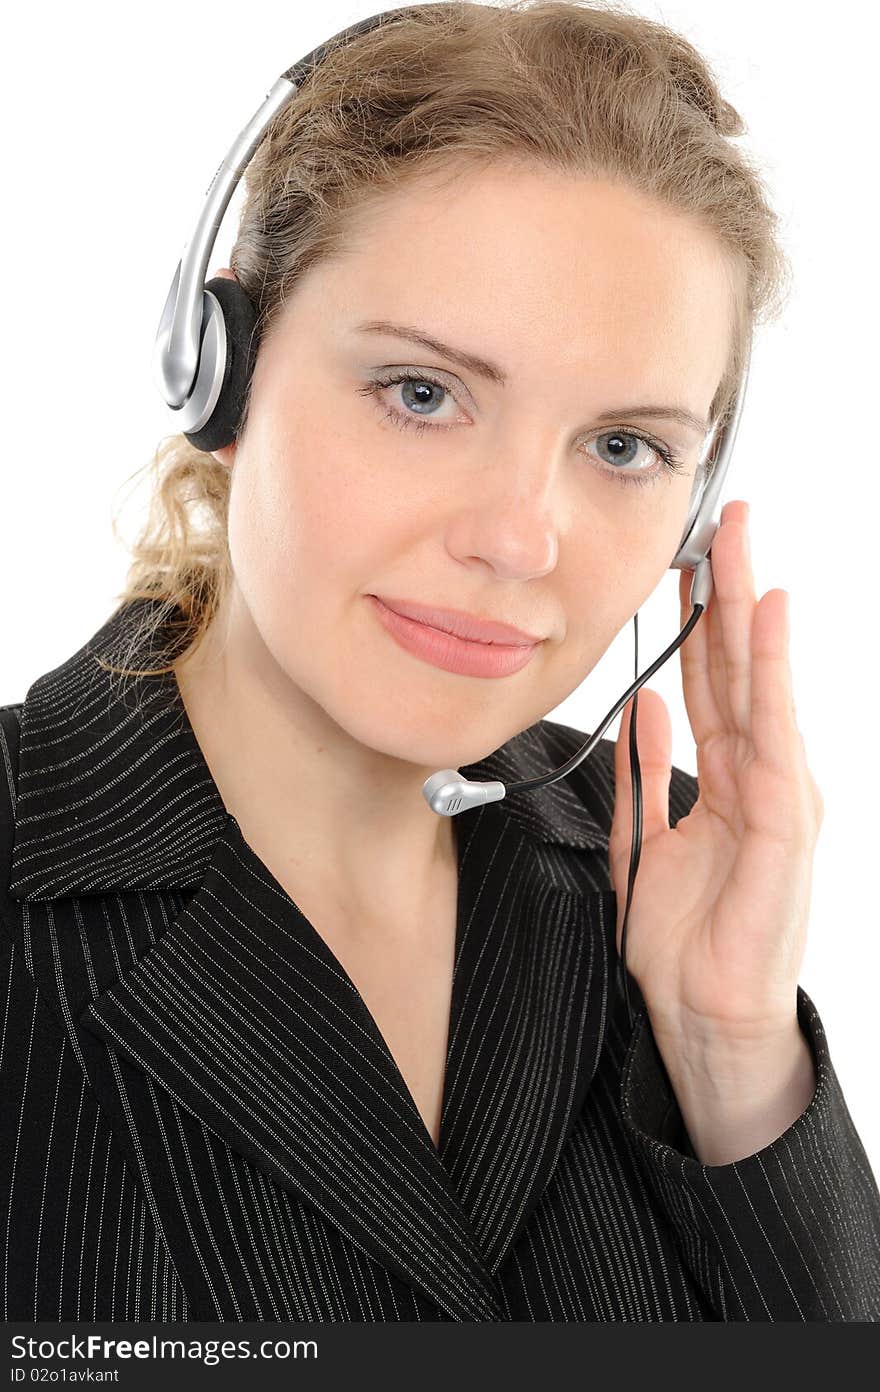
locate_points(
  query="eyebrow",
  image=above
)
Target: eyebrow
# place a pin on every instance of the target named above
(493, 373)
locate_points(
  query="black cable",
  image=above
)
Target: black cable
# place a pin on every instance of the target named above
(542, 780)
(636, 844)
(636, 778)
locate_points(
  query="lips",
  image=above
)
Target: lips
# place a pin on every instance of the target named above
(461, 624)
(462, 656)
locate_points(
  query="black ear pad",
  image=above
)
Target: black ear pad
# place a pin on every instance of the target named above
(240, 316)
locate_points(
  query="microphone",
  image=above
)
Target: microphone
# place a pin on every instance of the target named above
(447, 793)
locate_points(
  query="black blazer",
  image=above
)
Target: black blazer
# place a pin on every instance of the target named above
(202, 1121)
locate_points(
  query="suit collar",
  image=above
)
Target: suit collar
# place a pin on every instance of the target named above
(115, 793)
(242, 1014)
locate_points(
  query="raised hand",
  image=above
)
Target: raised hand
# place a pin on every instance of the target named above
(718, 921)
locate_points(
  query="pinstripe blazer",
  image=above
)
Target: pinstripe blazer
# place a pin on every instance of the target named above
(202, 1121)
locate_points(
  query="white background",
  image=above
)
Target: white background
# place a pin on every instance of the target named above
(115, 122)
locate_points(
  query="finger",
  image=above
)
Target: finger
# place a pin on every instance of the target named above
(730, 634)
(699, 694)
(775, 733)
(654, 743)
(715, 655)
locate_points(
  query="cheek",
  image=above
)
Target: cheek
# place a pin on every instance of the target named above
(305, 529)
(610, 581)
(260, 524)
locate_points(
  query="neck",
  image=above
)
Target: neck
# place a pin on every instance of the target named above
(315, 804)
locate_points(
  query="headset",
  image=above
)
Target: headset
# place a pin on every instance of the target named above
(204, 356)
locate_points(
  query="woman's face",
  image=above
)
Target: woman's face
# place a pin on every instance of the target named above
(517, 501)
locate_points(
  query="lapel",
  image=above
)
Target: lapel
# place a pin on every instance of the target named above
(242, 1014)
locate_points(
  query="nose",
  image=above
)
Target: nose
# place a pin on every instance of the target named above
(512, 517)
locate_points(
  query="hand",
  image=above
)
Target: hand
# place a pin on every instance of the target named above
(718, 920)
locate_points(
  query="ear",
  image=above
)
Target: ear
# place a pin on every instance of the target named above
(226, 455)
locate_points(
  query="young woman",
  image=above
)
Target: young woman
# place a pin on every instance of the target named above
(279, 1042)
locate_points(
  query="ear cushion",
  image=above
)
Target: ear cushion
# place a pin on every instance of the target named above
(240, 317)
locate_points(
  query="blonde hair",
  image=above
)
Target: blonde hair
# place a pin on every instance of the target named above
(595, 90)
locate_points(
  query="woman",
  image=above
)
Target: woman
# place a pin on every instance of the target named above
(283, 1044)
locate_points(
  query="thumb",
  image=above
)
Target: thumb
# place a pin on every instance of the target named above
(654, 743)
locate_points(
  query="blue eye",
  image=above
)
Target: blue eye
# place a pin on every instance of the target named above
(420, 398)
(417, 398)
(669, 465)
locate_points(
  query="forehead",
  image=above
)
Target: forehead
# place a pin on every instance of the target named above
(522, 262)
(598, 232)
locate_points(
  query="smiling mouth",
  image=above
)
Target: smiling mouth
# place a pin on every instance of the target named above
(462, 656)
(470, 628)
